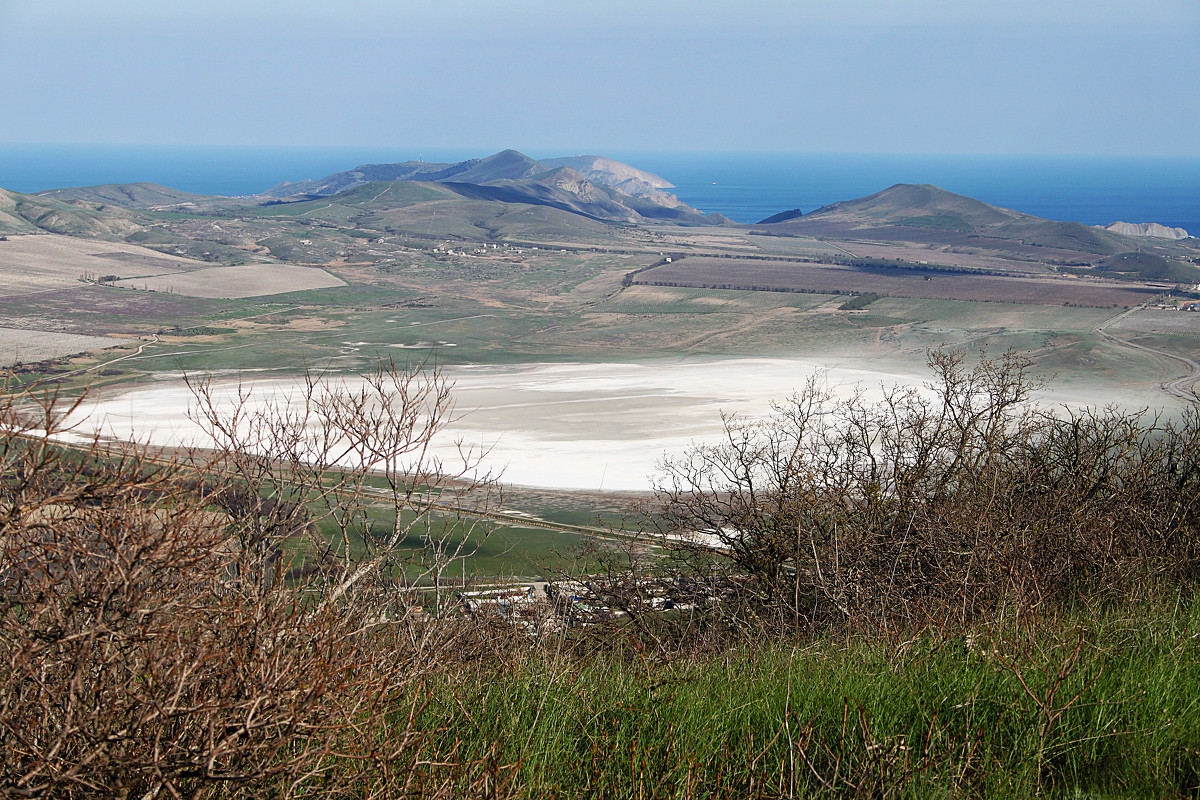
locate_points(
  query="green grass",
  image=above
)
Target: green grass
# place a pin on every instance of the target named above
(1102, 705)
(492, 549)
(201, 330)
(369, 321)
(684, 300)
(945, 222)
(859, 302)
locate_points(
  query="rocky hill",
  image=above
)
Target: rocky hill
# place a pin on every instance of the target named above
(619, 176)
(505, 165)
(593, 185)
(1145, 229)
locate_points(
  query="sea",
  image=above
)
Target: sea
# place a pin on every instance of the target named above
(744, 186)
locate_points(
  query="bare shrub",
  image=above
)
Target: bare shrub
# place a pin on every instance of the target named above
(943, 506)
(157, 640)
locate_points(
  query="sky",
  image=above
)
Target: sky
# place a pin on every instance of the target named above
(1104, 77)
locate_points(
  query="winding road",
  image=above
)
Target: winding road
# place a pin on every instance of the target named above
(1182, 387)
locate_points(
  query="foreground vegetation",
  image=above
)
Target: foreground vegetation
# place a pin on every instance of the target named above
(947, 593)
(1101, 704)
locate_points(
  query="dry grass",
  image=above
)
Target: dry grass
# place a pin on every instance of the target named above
(1158, 321)
(155, 639)
(253, 280)
(22, 347)
(36, 263)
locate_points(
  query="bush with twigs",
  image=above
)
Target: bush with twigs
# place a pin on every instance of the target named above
(155, 640)
(946, 505)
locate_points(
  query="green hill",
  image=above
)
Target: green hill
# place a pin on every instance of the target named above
(930, 214)
(446, 209)
(604, 189)
(365, 198)
(921, 206)
(128, 195)
(462, 208)
(26, 213)
(1147, 266)
(11, 220)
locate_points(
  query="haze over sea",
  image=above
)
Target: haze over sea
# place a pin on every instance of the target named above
(746, 187)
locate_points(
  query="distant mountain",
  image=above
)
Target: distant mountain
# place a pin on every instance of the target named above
(592, 185)
(1145, 229)
(919, 206)
(568, 190)
(928, 214)
(456, 210)
(622, 177)
(563, 190)
(505, 165)
(363, 174)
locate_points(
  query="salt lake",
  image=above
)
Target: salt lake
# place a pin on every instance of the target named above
(593, 426)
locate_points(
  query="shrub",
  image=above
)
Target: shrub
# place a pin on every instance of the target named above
(154, 638)
(951, 504)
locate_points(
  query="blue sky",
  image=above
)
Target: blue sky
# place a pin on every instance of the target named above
(953, 76)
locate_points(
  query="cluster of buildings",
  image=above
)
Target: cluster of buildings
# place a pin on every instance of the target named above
(546, 606)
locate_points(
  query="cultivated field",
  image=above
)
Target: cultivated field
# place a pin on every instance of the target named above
(36, 263)
(23, 347)
(782, 276)
(938, 254)
(1159, 321)
(252, 280)
(104, 310)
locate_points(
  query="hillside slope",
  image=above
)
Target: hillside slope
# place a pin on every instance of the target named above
(505, 165)
(1150, 267)
(568, 190)
(593, 185)
(26, 213)
(443, 209)
(601, 188)
(622, 177)
(130, 195)
(933, 215)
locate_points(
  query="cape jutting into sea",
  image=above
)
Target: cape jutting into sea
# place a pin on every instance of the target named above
(746, 187)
